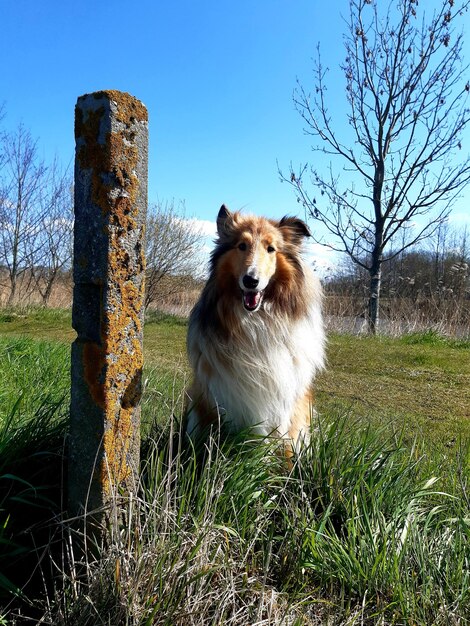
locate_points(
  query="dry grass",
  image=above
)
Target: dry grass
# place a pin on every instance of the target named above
(449, 316)
(400, 315)
(61, 296)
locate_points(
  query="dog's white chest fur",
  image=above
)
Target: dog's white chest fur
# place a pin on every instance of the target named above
(266, 375)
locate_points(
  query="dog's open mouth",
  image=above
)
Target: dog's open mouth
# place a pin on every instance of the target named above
(252, 300)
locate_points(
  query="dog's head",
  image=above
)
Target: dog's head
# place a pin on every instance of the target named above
(256, 252)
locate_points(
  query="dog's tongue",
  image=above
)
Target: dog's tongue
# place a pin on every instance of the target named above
(251, 299)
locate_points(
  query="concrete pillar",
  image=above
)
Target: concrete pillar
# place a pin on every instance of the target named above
(111, 133)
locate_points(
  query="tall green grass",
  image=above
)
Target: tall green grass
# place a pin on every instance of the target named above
(351, 534)
(32, 372)
(383, 533)
(33, 413)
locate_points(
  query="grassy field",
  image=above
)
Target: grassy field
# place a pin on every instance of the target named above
(371, 526)
(417, 383)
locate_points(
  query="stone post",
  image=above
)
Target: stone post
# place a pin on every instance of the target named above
(111, 133)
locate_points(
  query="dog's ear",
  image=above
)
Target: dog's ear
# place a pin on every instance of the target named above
(225, 221)
(294, 229)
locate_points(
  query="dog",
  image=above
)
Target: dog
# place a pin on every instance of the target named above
(256, 337)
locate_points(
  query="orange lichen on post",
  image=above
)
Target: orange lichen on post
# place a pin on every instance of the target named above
(109, 267)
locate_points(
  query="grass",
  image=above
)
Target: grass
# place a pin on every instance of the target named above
(38, 322)
(419, 383)
(33, 416)
(351, 535)
(417, 386)
(372, 524)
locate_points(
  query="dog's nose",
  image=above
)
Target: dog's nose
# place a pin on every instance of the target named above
(250, 282)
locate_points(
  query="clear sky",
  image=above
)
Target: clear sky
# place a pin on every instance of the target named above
(217, 78)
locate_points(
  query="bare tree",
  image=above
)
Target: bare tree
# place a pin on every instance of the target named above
(54, 249)
(406, 95)
(21, 183)
(173, 245)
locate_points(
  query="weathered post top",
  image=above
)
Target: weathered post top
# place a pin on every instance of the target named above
(111, 133)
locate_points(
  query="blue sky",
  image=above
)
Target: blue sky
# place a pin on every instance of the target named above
(217, 79)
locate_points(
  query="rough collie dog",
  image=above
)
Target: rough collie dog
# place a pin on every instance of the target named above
(255, 338)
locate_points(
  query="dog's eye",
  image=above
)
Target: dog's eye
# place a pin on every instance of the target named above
(271, 249)
(242, 246)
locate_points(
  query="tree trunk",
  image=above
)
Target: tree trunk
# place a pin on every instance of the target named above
(376, 260)
(13, 283)
(374, 299)
(375, 272)
(48, 291)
